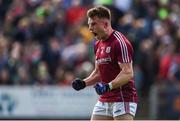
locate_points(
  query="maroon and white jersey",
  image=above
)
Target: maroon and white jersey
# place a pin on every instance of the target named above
(116, 49)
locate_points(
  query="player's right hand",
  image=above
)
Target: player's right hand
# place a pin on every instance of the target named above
(78, 84)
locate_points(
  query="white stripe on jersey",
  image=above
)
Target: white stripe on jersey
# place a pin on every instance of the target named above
(124, 50)
(125, 47)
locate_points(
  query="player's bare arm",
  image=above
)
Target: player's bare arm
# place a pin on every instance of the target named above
(93, 77)
(79, 84)
(124, 76)
(121, 79)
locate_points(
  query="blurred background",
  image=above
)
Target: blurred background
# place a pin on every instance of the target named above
(45, 44)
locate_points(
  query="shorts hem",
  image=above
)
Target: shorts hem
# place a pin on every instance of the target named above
(124, 113)
(101, 114)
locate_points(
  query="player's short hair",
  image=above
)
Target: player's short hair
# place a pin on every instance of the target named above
(100, 12)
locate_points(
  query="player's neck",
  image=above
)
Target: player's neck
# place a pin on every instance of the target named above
(108, 33)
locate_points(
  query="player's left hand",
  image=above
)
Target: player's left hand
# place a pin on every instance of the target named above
(101, 88)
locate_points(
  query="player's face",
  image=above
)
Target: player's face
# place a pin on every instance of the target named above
(97, 27)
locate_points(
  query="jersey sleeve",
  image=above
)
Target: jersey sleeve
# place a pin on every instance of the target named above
(123, 49)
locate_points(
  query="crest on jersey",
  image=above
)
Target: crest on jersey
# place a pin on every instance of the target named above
(108, 49)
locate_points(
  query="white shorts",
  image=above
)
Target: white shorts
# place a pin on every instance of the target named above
(114, 109)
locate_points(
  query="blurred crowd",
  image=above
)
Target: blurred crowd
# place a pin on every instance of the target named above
(47, 42)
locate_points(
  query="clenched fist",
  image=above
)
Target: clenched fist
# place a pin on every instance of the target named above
(78, 84)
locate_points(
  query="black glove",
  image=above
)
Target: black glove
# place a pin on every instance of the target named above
(78, 84)
(101, 88)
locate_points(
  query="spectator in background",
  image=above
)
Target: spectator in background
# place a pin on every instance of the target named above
(4, 46)
(22, 77)
(43, 75)
(174, 71)
(5, 77)
(72, 18)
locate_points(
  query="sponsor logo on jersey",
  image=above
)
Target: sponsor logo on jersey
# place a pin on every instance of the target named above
(103, 60)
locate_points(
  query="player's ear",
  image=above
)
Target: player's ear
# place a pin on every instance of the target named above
(105, 24)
